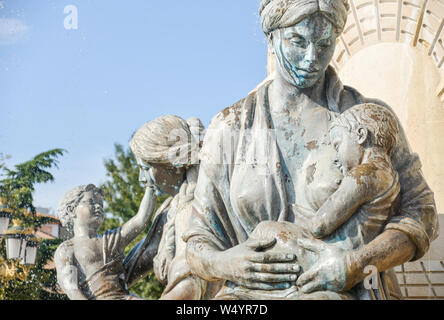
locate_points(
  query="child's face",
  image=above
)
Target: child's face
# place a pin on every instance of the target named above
(349, 150)
(89, 212)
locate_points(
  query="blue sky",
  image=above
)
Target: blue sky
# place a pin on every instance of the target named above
(127, 63)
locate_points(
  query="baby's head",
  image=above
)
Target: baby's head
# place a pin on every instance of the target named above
(363, 126)
(82, 206)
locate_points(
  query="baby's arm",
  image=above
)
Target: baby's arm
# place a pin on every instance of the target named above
(67, 275)
(340, 206)
(132, 228)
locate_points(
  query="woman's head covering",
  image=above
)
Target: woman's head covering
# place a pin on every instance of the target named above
(277, 14)
(168, 140)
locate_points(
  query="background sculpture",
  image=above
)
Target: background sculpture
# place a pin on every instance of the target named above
(89, 266)
(166, 149)
(170, 146)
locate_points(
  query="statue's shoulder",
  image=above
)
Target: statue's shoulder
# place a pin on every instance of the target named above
(65, 249)
(228, 118)
(237, 114)
(223, 128)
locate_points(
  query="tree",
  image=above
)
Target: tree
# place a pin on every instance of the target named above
(123, 193)
(16, 192)
(2, 159)
(17, 188)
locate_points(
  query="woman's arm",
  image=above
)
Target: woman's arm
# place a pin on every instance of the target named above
(417, 216)
(390, 249)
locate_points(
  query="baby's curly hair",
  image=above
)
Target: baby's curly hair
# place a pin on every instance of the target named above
(381, 123)
(70, 201)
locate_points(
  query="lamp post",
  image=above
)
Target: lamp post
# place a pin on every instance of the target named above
(30, 255)
(21, 246)
(16, 240)
(5, 217)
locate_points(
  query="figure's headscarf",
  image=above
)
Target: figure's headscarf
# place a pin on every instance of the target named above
(277, 14)
(169, 140)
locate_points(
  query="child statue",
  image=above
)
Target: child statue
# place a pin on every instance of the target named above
(89, 266)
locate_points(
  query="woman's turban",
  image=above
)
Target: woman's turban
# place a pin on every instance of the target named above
(276, 14)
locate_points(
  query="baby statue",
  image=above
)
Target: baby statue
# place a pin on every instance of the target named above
(89, 266)
(364, 138)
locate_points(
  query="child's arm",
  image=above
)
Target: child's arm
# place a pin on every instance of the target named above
(67, 275)
(340, 206)
(132, 228)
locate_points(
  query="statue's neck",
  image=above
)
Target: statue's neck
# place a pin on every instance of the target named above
(284, 96)
(81, 231)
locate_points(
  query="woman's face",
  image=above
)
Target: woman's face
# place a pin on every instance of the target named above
(144, 171)
(166, 178)
(305, 50)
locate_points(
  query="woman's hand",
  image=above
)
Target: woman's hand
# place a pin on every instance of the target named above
(330, 272)
(247, 265)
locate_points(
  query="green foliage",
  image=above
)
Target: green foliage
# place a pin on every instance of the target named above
(18, 185)
(149, 288)
(123, 193)
(16, 191)
(3, 157)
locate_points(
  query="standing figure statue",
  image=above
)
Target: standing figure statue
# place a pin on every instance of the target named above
(90, 266)
(167, 149)
(278, 212)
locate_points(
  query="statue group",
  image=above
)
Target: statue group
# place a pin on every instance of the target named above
(291, 193)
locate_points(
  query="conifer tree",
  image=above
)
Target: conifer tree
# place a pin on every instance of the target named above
(16, 191)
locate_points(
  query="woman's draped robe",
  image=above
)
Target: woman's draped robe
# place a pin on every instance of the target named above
(241, 182)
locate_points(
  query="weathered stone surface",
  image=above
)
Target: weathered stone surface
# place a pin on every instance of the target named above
(300, 100)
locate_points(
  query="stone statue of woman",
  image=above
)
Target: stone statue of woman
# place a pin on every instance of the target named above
(167, 151)
(258, 161)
